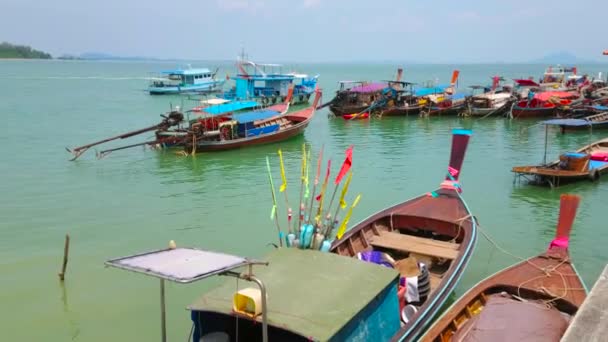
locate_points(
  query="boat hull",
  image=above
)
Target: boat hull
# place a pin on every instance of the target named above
(444, 111)
(401, 111)
(206, 87)
(298, 128)
(339, 110)
(523, 112)
(502, 110)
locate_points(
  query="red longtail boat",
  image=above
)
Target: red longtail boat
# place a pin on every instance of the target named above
(543, 104)
(533, 300)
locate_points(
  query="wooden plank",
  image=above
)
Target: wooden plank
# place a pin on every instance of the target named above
(431, 242)
(408, 243)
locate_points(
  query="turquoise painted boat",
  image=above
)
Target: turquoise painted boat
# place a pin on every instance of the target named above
(192, 80)
(268, 84)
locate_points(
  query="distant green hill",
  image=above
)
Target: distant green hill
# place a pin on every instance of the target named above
(8, 50)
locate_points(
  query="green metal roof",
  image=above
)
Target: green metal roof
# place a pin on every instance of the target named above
(311, 293)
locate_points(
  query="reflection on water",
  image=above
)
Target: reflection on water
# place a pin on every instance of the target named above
(70, 317)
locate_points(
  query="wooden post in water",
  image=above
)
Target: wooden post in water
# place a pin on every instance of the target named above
(66, 251)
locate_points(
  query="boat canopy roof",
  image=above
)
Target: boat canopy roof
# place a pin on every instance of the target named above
(545, 95)
(196, 71)
(182, 265)
(214, 101)
(311, 293)
(526, 83)
(255, 115)
(368, 88)
(567, 122)
(431, 90)
(266, 77)
(229, 107)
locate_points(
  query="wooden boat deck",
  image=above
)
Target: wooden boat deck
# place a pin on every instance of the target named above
(407, 243)
(553, 174)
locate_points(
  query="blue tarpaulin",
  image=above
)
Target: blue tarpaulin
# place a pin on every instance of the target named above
(230, 107)
(599, 107)
(429, 91)
(256, 115)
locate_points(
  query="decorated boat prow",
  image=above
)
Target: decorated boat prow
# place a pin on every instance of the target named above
(533, 300)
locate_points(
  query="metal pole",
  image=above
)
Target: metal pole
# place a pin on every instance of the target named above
(264, 309)
(546, 133)
(163, 323)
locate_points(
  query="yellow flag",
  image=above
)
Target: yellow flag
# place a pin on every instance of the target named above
(342, 228)
(345, 190)
(307, 193)
(284, 185)
(304, 157)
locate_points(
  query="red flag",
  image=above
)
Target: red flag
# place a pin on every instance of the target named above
(346, 165)
(324, 186)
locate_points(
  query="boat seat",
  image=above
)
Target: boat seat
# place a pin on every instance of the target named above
(409, 243)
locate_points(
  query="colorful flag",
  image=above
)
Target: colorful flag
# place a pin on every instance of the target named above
(273, 212)
(342, 228)
(284, 185)
(343, 203)
(307, 192)
(304, 156)
(324, 186)
(346, 165)
(321, 196)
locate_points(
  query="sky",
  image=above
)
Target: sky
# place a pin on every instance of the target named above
(438, 31)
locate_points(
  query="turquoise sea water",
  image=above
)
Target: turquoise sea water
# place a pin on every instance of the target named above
(139, 199)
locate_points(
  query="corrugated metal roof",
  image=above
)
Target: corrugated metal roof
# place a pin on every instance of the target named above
(183, 265)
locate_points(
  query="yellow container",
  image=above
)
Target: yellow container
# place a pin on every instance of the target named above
(248, 301)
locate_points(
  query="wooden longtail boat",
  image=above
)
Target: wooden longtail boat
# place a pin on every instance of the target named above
(357, 97)
(544, 104)
(234, 134)
(587, 163)
(533, 300)
(491, 101)
(442, 105)
(436, 229)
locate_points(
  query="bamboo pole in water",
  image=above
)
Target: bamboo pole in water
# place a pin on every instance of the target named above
(66, 251)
